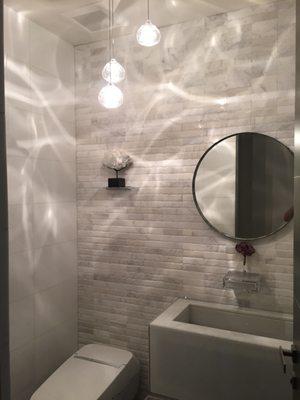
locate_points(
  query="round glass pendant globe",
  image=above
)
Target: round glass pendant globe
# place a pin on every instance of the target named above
(148, 34)
(113, 71)
(110, 96)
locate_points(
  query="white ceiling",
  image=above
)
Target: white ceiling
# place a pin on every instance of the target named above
(67, 17)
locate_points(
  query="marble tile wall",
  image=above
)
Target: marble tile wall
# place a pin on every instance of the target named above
(39, 94)
(139, 250)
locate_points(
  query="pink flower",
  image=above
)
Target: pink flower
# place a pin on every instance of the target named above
(246, 249)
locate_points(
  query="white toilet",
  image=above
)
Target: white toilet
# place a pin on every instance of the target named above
(95, 372)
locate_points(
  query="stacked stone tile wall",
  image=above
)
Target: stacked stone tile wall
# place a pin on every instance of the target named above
(139, 250)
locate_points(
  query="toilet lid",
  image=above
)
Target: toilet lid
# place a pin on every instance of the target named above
(85, 375)
(105, 354)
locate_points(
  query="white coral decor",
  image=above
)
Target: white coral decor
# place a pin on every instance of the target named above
(117, 160)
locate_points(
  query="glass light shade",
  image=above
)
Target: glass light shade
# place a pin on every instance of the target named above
(110, 96)
(148, 34)
(113, 71)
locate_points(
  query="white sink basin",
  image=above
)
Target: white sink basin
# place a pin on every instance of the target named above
(213, 352)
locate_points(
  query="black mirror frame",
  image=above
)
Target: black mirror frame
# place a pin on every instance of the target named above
(235, 238)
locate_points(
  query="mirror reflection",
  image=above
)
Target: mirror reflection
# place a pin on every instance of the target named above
(243, 186)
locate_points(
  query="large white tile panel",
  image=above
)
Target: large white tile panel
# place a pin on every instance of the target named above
(40, 126)
(17, 84)
(21, 322)
(53, 181)
(25, 394)
(54, 138)
(16, 35)
(54, 223)
(19, 180)
(54, 265)
(20, 219)
(20, 132)
(22, 370)
(51, 54)
(49, 94)
(54, 306)
(53, 348)
(22, 273)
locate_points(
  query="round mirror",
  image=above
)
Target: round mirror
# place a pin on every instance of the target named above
(243, 186)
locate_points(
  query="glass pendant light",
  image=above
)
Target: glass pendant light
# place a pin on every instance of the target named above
(148, 34)
(111, 96)
(113, 71)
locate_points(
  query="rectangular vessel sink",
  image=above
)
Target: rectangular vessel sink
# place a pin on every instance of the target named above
(236, 320)
(213, 352)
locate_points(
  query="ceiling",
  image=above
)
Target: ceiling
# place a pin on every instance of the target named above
(84, 21)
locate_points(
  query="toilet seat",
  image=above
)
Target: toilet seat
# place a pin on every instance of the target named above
(95, 372)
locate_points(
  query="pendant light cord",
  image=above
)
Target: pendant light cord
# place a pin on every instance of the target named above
(110, 36)
(112, 27)
(148, 9)
(109, 29)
